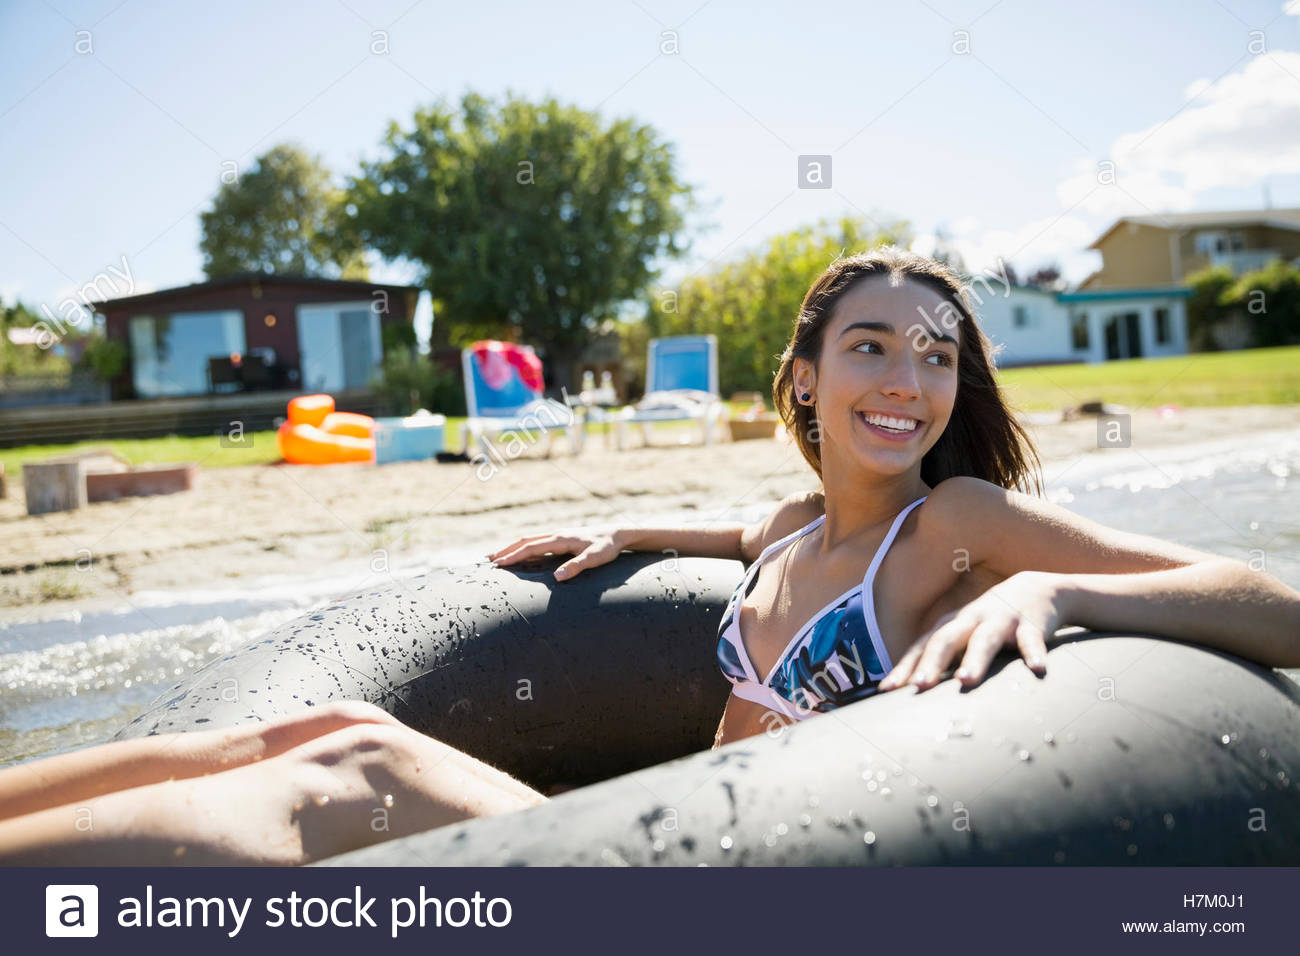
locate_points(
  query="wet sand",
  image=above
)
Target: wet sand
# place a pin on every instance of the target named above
(241, 524)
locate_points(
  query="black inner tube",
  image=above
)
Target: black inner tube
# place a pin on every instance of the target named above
(558, 684)
(1133, 750)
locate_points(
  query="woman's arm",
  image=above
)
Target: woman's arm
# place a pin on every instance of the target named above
(741, 541)
(1220, 603)
(1060, 569)
(592, 548)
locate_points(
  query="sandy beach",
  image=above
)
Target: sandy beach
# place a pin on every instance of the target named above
(241, 524)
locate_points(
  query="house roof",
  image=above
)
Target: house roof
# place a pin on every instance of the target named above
(1099, 295)
(349, 285)
(1276, 218)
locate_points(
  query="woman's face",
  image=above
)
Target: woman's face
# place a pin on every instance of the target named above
(888, 358)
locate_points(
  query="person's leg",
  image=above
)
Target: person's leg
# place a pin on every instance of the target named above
(94, 771)
(355, 786)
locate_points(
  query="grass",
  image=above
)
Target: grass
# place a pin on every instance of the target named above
(257, 448)
(1250, 377)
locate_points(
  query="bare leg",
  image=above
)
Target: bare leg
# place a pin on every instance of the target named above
(351, 787)
(120, 765)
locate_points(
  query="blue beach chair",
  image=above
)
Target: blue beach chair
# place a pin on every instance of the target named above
(681, 385)
(503, 393)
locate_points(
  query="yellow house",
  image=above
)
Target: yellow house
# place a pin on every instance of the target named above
(1151, 252)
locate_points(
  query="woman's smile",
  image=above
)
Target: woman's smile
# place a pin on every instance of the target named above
(897, 428)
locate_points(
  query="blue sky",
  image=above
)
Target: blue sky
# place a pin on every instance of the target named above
(113, 152)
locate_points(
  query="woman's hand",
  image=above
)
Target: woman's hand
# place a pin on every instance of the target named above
(1022, 611)
(591, 547)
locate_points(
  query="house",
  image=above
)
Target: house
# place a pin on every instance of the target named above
(256, 332)
(1037, 326)
(1163, 250)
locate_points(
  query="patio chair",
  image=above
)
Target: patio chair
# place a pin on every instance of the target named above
(681, 385)
(503, 393)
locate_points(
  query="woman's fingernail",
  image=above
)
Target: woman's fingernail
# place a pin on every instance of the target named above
(963, 674)
(562, 573)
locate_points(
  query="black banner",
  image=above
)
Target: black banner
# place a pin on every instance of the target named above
(150, 910)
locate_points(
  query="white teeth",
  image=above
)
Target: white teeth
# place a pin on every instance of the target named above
(894, 424)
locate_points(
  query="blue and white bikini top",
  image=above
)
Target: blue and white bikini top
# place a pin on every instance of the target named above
(838, 657)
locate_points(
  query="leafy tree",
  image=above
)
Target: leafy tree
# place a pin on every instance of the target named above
(751, 304)
(409, 381)
(279, 218)
(1207, 304)
(26, 359)
(1269, 298)
(533, 221)
(1045, 277)
(106, 358)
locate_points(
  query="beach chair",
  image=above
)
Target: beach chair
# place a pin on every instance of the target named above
(681, 385)
(503, 393)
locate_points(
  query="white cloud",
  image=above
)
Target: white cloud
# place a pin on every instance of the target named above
(1229, 133)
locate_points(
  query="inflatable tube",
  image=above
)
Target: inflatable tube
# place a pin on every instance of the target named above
(349, 423)
(310, 409)
(309, 445)
(1132, 750)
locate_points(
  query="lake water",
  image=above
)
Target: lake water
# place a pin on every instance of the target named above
(74, 680)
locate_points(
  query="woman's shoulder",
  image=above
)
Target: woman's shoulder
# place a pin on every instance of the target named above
(963, 504)
(791, 513)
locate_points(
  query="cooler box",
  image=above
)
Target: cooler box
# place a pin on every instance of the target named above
(409, 439)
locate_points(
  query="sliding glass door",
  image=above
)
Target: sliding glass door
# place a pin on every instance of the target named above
(338, 346)
(170, 353)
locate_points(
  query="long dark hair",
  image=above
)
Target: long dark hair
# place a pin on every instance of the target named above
(982, 440)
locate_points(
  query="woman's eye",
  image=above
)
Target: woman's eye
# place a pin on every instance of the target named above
(864, 345)
(942, 357)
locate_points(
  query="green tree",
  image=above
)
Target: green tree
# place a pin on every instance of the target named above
(282, 217)
(1269, 298)
(41, 358)
(1207, 304)
(532, 221)
(751, 304)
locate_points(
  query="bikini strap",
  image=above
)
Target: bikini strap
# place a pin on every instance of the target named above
(889, 540)
(788, 539)
(774, 547)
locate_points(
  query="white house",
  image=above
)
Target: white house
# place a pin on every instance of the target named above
(1038, 326)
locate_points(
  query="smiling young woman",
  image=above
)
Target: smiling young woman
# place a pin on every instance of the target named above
(928, 539)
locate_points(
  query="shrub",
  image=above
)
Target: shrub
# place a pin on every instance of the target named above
(408, 381)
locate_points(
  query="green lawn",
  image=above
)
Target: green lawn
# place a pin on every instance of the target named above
(1251, 377)
(259, 448)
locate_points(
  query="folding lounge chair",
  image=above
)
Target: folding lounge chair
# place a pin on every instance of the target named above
(503, 393)
(681, 385)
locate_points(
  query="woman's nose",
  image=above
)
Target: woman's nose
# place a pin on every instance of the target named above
(901, 381)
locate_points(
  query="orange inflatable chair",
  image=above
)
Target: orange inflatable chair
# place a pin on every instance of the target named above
(315, 434)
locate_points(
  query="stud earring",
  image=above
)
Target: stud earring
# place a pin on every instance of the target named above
(805, 396)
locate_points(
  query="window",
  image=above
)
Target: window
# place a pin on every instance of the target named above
(1019, 317)
(170, 353)
(338, 345)
(1214, 242)
(1079, 331)
(1162, 326)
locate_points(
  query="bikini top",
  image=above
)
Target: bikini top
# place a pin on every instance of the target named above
(838, 657)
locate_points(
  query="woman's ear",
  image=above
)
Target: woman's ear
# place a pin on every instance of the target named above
(804, 377)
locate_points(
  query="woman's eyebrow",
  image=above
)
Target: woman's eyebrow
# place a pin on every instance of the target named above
(886, 329)
(883, 327)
